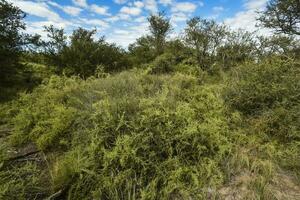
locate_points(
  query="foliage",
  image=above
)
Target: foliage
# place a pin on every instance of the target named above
(22, 182)
(204, 36)
(164, 63)
(165, 134)
(10, 37)
(82, 56)
(212, 115)
(159, 29)
(265, 85)
(283, 16)
(267, 94)
(240, 46)
(142, 51)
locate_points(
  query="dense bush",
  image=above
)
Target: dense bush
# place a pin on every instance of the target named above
(164, 63)
(128, 136)
(255, 87)
(269, 92)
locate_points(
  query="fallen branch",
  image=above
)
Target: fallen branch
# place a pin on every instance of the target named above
(55, 195)
(23, 155)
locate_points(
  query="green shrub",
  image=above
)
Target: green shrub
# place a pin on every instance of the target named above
(268, 93)
(128, 136)
(257, 86)
(164, 63)
(23, 182)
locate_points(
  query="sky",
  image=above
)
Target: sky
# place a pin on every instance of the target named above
(123, 21)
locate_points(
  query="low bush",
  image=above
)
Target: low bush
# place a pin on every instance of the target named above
(164, 63)
(255, 87)
(128, 136)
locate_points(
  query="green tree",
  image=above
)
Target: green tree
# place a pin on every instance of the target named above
(159, 27)
(57, 41)
(14, 76)
(204, 36)
(142, 51)
(11, 38)
(283, 16)
(83, 54)
(80, 56)
(276, 45)
(239, 47)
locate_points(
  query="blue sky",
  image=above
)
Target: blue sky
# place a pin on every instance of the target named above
(122, 21)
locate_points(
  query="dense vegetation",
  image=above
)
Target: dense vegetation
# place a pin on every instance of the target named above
(212, 115)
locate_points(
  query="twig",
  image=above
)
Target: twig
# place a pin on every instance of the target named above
(53, 196)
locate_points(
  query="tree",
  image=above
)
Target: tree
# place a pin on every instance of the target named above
(142, 51)
(283, 16)
(160, 27)
(238, 47)
(11, 40)
(83, 54)
(204, 36)
(79, 57)
(57, 41)
(276, 45)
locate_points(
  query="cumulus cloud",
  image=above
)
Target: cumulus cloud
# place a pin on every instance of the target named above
(120, 1)
(165, 2)
(247, 19)
(95, 22)
(101, 10)
(140, 19)
(71, 10)
(131, 10)
(186, 7)
(124, 37)
(255, 4)
(178, 17)
(151, 5)
(39, 9)
(80, 3)
(138, 4)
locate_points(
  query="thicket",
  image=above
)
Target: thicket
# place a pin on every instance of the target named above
(127, 136)
(212, 115)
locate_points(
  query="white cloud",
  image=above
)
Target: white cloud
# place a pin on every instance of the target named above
(218, 9)
(165, 2)
(119, 31)
(184, 7)
(80, 3)
(74, 11)
(120, 1)
(247, 19)
(95, 22)
(151, 5)
(123, 16)
(101, 10)
(125, 37)
(131, 10)
(255, 4)
(39, 9)
(178, 17)
(138, 4)
(140, 19)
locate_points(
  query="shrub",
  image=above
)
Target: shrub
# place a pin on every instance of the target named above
(128, 135)
(257, 86)
(268, 94)
(164, 63)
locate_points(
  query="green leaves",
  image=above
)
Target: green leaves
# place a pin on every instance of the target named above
(141, 136)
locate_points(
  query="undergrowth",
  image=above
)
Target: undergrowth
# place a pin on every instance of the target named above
(135, 135)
